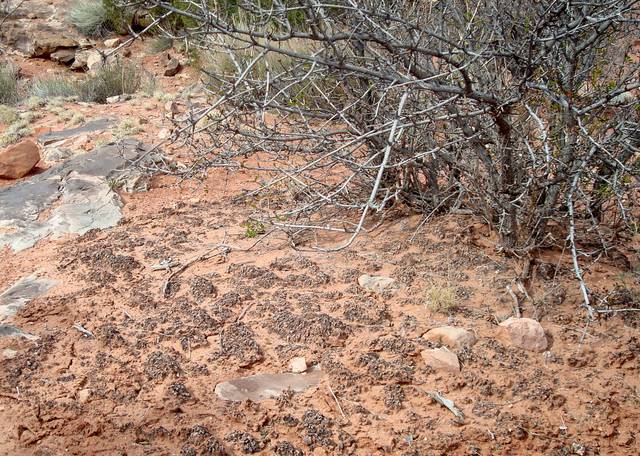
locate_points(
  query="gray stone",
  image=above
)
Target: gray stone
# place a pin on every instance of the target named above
(377, 284)
(265, 386)
(89, 127)
(80, 189)
(21, 292)
(12, 331)
(172, 66)
(55, 155)
(64, 56)
(16, 297)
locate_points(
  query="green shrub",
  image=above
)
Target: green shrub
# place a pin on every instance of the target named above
(17, 130)
(96, 17)
(160, 44)
(116, 78)
(88, 16)
(149, 84)
(7, 115)
(55, 86)
(9, 87)
(118, 16)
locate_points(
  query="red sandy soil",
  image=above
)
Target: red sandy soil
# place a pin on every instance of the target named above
(145, 383)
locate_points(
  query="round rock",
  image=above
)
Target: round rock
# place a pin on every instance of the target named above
(298, 365)
(377, 284)
(17, 160)
(524, 333)
(441, 359)
(451, 336)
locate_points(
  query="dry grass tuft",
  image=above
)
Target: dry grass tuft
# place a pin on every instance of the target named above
(441, 298)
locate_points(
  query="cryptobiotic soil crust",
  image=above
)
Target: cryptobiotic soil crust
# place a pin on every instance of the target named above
(145, 382)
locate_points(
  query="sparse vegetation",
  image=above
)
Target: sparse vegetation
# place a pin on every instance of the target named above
(34, 102)
(88, 16)
(114, 184)
(160, 44)
(253, 228)
(441, 298)
(55, 86)
(94, 18)
(7, 115)
(149, 84)
(125, 129)
(117, 78)
(9, 87)
(18, 129)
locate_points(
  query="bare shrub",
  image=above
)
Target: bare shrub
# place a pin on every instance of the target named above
(441, 298)
(525, 116)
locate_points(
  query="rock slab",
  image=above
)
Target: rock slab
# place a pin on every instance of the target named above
(377, 284)
(89, 127)
(16, 297)
(16, 161)
(266, 386)
(441, 359)
(451, 336)
(524, 333)
(72, 197)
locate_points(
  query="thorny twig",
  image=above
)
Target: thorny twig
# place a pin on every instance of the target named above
(221, 250)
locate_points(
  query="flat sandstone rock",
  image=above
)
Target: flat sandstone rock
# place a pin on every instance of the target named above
(266, 386)
(377, 284)
(17, 296)
(451, 336)
(72, 197)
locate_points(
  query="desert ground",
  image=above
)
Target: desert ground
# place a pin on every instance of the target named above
(127, 347)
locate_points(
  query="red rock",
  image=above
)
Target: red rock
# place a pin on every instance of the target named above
(524, 333)
(451, 336)
(17, 160)
(298, 365)
(441, 359)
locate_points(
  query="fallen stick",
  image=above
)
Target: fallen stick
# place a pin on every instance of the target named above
(82, 329)
(337, 402)
(205, 256)
(447, 403)
(224, 251)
